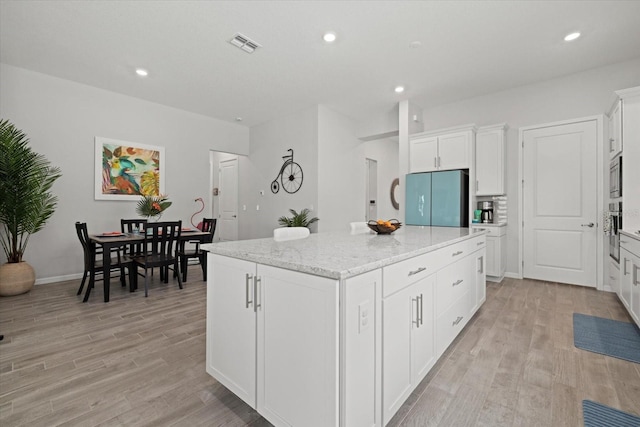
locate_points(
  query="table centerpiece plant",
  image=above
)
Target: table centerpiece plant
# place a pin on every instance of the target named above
(26, 204)
(152, 207)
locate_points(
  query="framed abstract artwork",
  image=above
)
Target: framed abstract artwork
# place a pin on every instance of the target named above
(127, 170)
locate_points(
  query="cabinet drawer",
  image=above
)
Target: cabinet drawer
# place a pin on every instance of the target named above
(400, 275)
(453, 282)
(451, 322)
(492, 231)
(631, 244)
(462, 249)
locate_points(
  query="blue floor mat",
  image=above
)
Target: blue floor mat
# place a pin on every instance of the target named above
(605, 336)
(599, 415)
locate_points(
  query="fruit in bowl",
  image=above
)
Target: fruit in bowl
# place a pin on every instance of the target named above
(384, 226)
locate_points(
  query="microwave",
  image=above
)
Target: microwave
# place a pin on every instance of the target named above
(615, 178)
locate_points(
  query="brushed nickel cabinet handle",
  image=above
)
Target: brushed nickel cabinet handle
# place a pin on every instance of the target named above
(456, 253)
(435, 162)
(417, 320)
(247, 300)
(457, 282)
(458, 320)
(479, 243)
(421, 320)
(256, 293)
(419, 270)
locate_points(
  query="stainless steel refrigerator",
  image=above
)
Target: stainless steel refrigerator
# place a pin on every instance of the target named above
(438, 199)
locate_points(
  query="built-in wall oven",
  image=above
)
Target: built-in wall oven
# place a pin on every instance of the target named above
(615, 211)
(615, 178)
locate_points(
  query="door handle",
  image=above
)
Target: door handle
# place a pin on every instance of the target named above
(234, 216)
(590, 225)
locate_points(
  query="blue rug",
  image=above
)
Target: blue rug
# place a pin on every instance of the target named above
(598, 415)
(606, 336)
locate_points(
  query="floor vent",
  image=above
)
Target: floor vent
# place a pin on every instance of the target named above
(245, 43)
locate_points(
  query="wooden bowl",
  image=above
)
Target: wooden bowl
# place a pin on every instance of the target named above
(383, 229)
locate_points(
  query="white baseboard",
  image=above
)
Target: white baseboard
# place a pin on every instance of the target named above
(512, 275)
(494, 279)
(56, 279)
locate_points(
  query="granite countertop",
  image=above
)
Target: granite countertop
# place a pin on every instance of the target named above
(339, 255)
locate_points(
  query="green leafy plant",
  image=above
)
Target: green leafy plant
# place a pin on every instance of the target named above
(152, 206)
(26, 203)
(298, 219)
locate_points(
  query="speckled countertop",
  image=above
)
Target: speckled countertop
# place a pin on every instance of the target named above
(339, 255)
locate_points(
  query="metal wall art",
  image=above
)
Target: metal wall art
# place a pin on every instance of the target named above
(290, 176)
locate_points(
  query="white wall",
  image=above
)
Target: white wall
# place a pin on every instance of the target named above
(269, 143)
(578, 95)
(62, 118)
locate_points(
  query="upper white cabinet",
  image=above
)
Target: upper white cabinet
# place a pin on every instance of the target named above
(615, 129)
(445, 149)
(490, 160)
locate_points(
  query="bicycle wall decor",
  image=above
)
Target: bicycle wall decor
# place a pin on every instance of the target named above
(290, 176)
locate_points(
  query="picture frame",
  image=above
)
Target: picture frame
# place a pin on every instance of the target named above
(127, 170)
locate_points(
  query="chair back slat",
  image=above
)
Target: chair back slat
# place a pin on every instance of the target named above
(209, 225)
(160, 238)
(129, 226)
(87, 249)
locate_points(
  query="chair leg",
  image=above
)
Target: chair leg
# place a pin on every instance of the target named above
(184, 262)
(84, 278)
(133, 277)
(123, 281)
(177, 267)
(92, 278)
(146, 293)
(203, 266)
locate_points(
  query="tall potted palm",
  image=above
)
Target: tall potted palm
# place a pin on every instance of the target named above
(26, 204)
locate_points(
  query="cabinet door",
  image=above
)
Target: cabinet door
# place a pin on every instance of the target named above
(453, 151)
(481, 279)
(297, 348)
(231, 325)
(615, 130)
(423, 347)
(423, 154)
(614, 277)
(398, 316)
(634, 298)
(493, 256)
(626, 270)
(490, 163)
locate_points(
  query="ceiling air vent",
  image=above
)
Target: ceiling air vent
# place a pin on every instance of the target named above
(243, 42)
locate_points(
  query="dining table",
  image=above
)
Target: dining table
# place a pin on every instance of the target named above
(113, 240)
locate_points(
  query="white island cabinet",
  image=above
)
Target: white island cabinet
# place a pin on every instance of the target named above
(338, 329)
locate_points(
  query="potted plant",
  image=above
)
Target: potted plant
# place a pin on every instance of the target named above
(152, 207)
(26, 204)
(298, 219)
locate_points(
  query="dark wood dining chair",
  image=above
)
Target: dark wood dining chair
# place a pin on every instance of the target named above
(131, 226)
(194, 252)
(161, 241)
(93, 265)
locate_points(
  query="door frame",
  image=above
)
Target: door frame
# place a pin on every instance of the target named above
(600, 200)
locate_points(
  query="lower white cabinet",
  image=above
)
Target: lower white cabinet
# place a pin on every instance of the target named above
(630, 275)
(305, 350)
(272, 333)
(496, 262)
(614, 276)
(408, 342)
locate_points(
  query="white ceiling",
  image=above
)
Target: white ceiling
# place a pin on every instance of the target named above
(468, 49)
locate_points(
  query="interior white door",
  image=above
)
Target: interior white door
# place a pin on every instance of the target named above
(228, 196)
(560, 203)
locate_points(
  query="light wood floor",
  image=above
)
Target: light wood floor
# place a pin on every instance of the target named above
(140, 361)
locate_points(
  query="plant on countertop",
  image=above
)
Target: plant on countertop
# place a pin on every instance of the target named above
(152, 206)
(298, 219)
(26, 203)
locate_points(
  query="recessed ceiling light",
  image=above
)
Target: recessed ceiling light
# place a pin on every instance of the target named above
(415, 44)
(329, 37)
(399, 89)
(572, 36)
(238, 119)
(142, 72)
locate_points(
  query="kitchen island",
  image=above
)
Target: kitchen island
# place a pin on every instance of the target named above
(338, 329)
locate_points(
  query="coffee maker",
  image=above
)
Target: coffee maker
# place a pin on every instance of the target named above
(486, 217)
